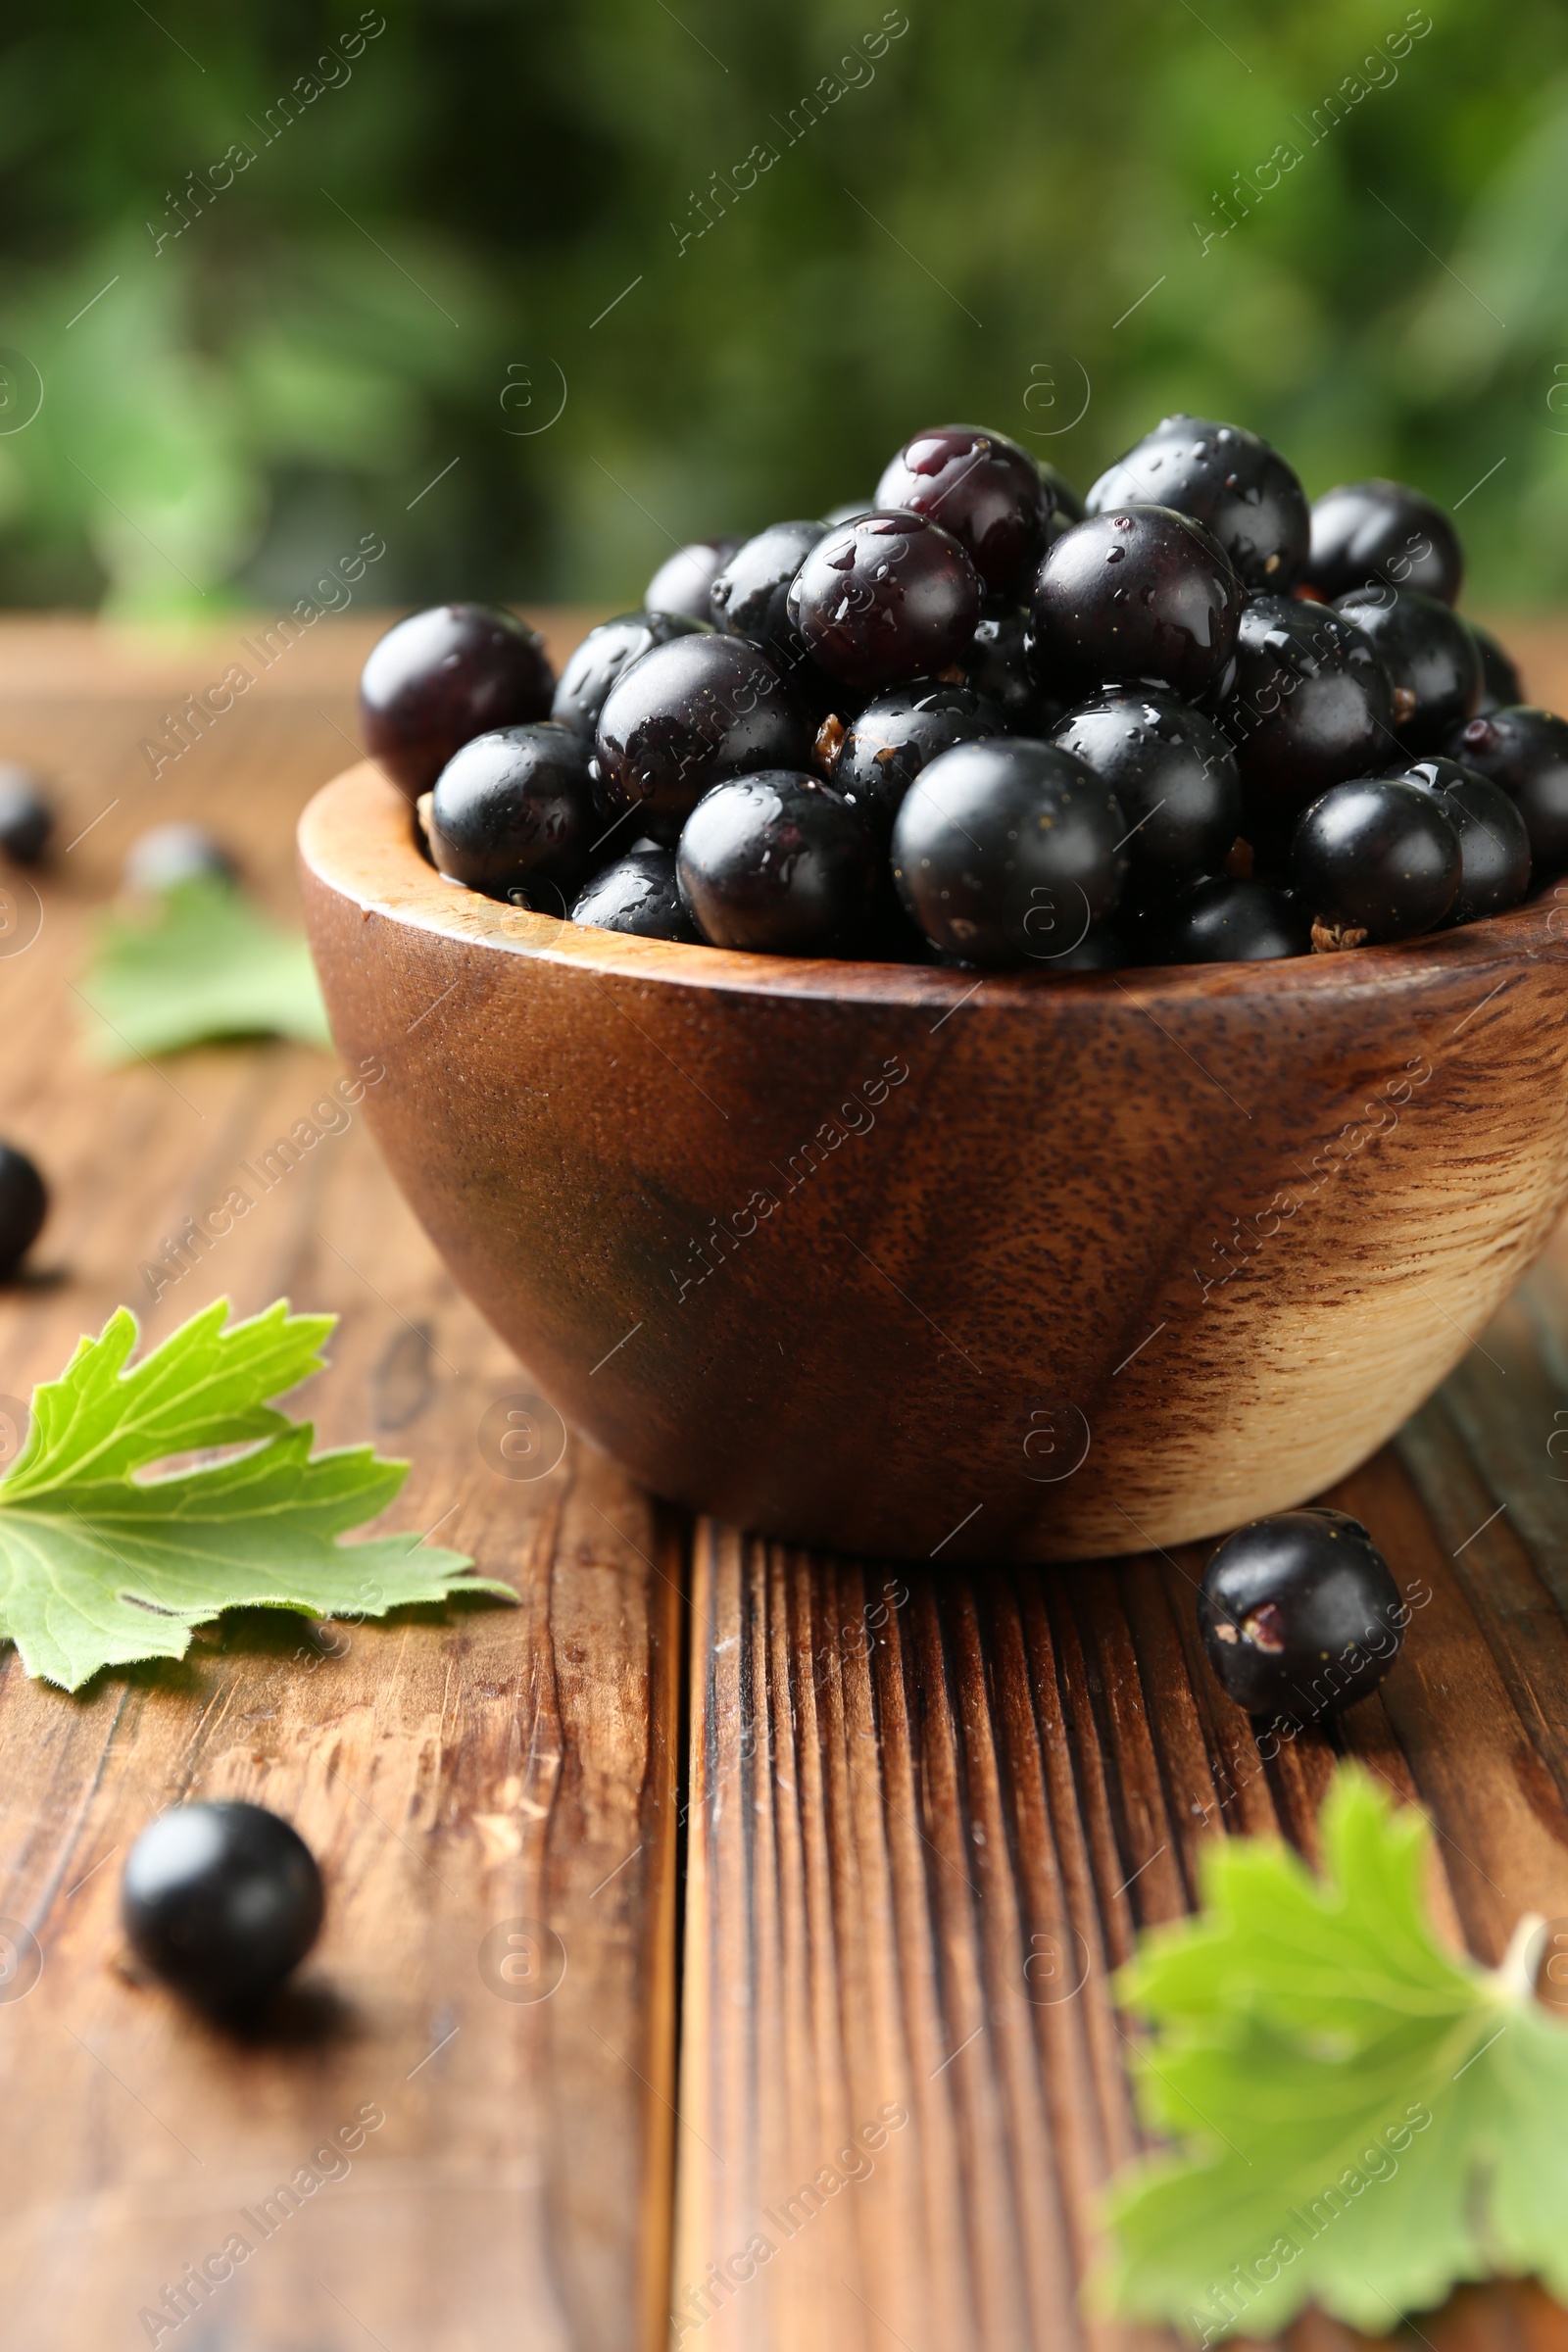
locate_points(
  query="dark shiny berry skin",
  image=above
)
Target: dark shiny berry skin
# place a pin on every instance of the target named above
(685, 717)
(638, 894)
(513, 815)
(1067, 506)
(885, 598)
(684, 580)
(1173, 774)
(1378, 533)
(1224, 921)
(895, 736)
(1299, 1615)
(1374, 861)
(778, 865)
(1493, 839)
(27, 819)
(170, 854)
(1227, 479)
(751, 599)
(23, 1205)
(604, 656)
(748, 596)
(1005, 851)
(984, 489)
(443, 676)
(1431, 655)
(997, 666)
(1311, 706)
(1501, 688)
(221, 1900)
(1141, 592)
(1526, 752)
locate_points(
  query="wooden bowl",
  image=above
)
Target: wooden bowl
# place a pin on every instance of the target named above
(902, 1260)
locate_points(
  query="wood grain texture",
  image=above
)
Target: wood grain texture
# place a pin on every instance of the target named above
(910, 1261)
(456, 1771)
(929, 1811)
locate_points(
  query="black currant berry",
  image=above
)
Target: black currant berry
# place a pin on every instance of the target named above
(895, 736)
(1379, 534)
(885, 598)
(984, 489)
(1227, 479)
(777, 863)
(443, 676)
(27, 819)
(685, 717)
(1141, 592)
(1431, 655)
(997, 666)
(1225, 921)
(513, 814)
(1173, 774)
(637, 894)
(1311, 706)
(170, 854)
(1005, 851)
(749, 596)
(683, 581)
(23, 1205)
(1493, 839)
(1526, 752)
(605, 655)
(1374, 861)
(1300, 1614)
(221, 1900)
(1501, 688)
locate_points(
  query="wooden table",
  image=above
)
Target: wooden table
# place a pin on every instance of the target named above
(650, 1898)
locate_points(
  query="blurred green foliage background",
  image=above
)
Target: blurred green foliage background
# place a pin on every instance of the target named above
(419, 257)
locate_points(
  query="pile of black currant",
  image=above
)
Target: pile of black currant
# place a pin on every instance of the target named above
(980, 721)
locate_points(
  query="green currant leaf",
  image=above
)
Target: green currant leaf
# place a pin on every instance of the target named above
(100, 1566)
(1360, 2119)
(201, 963)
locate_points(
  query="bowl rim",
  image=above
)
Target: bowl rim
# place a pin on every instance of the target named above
(357, 838)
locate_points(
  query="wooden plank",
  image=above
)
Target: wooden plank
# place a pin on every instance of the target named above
(457, 1771)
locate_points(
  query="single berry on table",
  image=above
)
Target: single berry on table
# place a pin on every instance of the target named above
(512, 815)
(1311, 706)
(1005, 851)
(1493, 839)
(1299, 1615)
(687, 716)
(170, 854)
(23, 1205)
(638, 894)
(1431, 655)
(889, 598)
(998, 665)
(1225, 921)
(1374, 861)
(1173, 772)
(1501, 688)
(684, 580)
(1140, 592)
(604, 654)
(984, 489)
(895, 736)
(1526, 752)
(778, 865)
(443, 676)
(1230, 481)
(1380, 534)
(27, 819)
(221, 1900)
